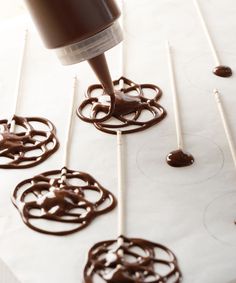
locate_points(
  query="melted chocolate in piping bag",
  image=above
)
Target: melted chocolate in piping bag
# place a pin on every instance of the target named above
(28, 147)
(65, 197)
(133, 261)
(130, 104)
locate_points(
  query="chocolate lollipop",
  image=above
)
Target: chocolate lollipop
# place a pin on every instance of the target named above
(61, 197)
(129, 260)
(128, 109)
(30, 145)
(220, 70)
(179, 157)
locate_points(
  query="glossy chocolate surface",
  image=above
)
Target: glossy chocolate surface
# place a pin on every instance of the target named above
(223, 71)
(131, 261)
(29, 146)
(179, 158)
(61, 196)
(129, 106)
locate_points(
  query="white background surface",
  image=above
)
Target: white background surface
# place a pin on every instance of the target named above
(171, 213)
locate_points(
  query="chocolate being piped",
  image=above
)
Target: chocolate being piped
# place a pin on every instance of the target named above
(19, 149)
(128, 108)
(61, 196)
(223, 71)
(80, 30)
(132, 261)
(179, 158)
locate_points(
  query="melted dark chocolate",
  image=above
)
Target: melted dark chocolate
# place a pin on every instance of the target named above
(18, 149)
(179, 158)
(223, 71)
(131, 261)
(127, 110)
(55, 198)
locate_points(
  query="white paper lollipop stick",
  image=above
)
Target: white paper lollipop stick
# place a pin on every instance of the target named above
(69, 129)
(225, 125)
(121, 206)
(207, 33)
(178, 126)
(19, 80)
(123, 59)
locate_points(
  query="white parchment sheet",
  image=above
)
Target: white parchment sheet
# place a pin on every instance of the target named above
(189, 210)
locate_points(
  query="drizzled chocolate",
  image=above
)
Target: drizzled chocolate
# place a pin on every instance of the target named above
(130, 106)
(179, 158)
(223, 71)
(131, 261)
(28, 147)
(70, 197)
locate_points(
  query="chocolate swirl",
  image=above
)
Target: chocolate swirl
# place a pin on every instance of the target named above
(129, 109)
(29, 147)
(131, 261)
(61, 196)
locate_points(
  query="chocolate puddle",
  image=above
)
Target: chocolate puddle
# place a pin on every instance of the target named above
(223, 71)
(179, 158)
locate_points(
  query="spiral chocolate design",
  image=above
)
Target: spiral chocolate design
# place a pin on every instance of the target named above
(131, 104)
(61, 196)
(131, 261)
(28, 147)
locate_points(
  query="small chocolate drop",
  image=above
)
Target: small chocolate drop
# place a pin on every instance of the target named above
(223, 71)
(179, 158)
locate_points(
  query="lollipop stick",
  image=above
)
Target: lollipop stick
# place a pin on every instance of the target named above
(121, 208)
(123, 55)
(175, 98)
(207, 33)
(69, 130)
(225, 125)
(18, 81)
(121, 84)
